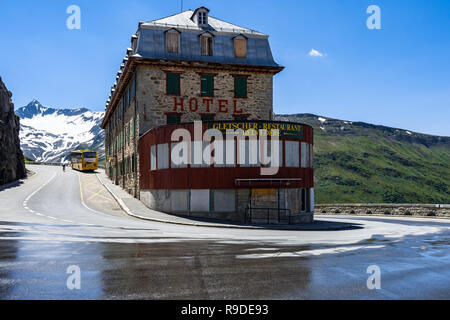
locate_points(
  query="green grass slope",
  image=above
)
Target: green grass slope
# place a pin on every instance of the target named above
(357, 162)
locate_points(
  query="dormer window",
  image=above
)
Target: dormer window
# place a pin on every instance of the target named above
(240, 46)
(173, 41)
(200, 17)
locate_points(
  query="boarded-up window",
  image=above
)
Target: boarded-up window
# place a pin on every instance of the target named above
(199, 152)
(163, 156)
(173, 40)
(153, 157)
(240, 48)
(173, 83)
(207, 86)
(240, 87)
(207, 45)
(224, 200)
(200, 201)
(304, 154)
(179, 154)
(292, 154)
(248, 153)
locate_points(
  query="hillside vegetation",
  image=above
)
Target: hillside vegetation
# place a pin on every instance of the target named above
(357, 162)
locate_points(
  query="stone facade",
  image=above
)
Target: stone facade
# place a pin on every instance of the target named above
(420, 210)
(12, 163)
(121, 146)
(149, 105)
(155, 103)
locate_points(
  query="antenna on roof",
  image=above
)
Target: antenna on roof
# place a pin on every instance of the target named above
(181, 6)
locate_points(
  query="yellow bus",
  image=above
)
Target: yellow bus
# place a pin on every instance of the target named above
(84, 160)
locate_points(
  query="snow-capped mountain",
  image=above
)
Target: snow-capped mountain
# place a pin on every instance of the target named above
(49, 134)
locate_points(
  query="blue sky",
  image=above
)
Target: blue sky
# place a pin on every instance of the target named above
(398, 76)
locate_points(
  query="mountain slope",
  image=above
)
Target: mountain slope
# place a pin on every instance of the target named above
(49, 134)
(356, 162)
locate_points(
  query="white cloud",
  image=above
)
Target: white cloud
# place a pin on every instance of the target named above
(315, 53)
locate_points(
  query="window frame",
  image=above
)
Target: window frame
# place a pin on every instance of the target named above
(178, 34)
(171, 115)
(209, 50)
(235, 42)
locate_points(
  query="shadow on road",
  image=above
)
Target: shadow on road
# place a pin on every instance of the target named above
(11, 185)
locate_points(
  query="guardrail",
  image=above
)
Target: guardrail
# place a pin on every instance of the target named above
(405, 209)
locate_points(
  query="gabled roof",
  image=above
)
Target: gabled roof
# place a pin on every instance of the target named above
(198, 9)
(183, 20)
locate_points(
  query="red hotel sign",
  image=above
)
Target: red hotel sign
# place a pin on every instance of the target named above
(193, 105)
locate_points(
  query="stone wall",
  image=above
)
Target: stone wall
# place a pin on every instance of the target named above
(126, 130)
(421, 210)
(154, 102)
(12, 164)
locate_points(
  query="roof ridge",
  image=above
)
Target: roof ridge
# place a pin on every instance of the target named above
(236, 25)
(172, 15)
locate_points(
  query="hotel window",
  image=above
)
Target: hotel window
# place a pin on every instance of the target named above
(303, 200)
(291, 154)
(207, 45)
(241, 117)
(306, 149)
(207, 85)
(173, 41)
(207, 117)
(163, 156)
(133, 88)
(202, 18)
(173, 84)
(240, 87)
(240, 47)
(179, 154)
(126, 100)
(173, 118)
(198, 150)
(153, 157)
(248, 152)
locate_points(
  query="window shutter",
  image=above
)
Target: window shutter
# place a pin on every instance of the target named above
(173, 118)
(173, 83)
(240, 87)
(204, 43)
(172, 42)
(207, 86)
(133, 88)
(240, 46)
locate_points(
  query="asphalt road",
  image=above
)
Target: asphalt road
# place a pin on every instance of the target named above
(58, 219)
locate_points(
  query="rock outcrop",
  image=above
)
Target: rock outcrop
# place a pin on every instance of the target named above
(12, 163)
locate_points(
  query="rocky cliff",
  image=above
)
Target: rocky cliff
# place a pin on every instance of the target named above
(12, 164)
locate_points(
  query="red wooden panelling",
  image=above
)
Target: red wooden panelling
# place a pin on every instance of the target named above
(210, 177)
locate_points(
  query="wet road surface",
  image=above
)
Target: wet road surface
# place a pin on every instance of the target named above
(55, 220)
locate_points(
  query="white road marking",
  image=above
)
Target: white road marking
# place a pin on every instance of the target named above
(25, 202)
